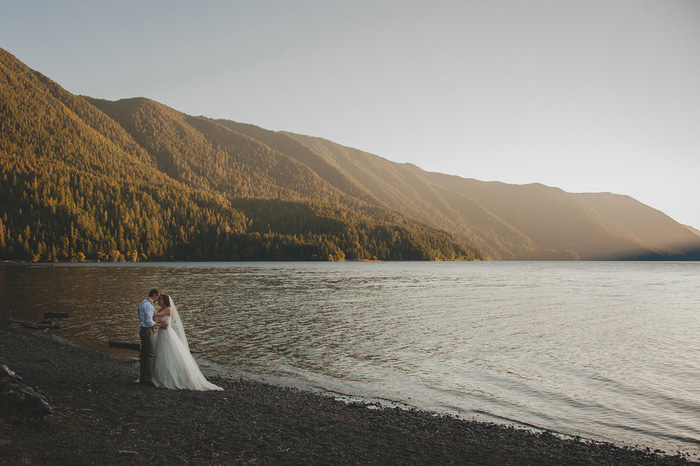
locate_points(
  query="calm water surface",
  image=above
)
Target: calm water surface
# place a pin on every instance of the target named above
(605, 350)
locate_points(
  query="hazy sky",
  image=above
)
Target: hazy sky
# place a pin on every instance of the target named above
(585, 95)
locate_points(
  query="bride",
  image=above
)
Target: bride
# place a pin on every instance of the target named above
(174, 366)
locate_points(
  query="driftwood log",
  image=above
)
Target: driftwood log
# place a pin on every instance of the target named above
(17, 399)
(133, 346)
(40, 325)
(126, 345)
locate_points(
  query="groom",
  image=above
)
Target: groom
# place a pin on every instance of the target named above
(146, 334)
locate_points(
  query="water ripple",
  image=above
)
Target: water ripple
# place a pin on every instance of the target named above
(608, 351)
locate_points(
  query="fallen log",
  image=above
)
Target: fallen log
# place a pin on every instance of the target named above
(40, 326)
(126, 345)
(134, 346)
(19, 399)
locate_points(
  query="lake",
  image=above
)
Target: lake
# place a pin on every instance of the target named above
(604, 350)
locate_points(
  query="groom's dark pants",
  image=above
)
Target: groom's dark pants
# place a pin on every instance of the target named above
(148, 352)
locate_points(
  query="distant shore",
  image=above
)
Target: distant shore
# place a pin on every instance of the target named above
(100, 416)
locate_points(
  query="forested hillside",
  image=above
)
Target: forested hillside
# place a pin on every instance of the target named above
(149, 183)
(517, 222)
(507, 222)
(90, 179)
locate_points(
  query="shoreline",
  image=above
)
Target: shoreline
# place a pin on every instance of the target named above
(101, 417)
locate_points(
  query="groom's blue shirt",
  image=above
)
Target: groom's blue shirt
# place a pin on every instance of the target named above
(146, 314)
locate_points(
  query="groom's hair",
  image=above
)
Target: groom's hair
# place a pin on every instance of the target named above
(152, 293)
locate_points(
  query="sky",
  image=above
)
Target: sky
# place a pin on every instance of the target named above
(584, 95)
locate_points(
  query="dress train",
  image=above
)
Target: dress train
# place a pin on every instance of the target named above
(174, 366)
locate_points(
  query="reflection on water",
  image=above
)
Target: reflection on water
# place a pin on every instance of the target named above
(604, 350)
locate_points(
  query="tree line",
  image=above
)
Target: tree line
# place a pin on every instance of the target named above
(59, 215)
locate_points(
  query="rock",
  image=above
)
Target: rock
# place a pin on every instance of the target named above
(17, 399)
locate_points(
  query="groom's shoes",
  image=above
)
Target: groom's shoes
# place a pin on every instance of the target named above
(147, 383)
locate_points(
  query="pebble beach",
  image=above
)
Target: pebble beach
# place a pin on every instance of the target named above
(100, 416)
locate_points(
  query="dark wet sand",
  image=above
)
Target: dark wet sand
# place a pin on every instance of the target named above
(102, 417)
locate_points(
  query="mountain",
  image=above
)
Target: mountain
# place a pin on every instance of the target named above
(593, 226)
(505, 221)
(149, 183)
(85, 178)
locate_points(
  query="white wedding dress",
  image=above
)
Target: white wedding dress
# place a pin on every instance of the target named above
(174, 366)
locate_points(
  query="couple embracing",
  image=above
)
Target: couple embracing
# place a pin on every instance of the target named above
(166, 360)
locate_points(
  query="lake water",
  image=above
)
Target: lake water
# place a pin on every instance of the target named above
(608, 351)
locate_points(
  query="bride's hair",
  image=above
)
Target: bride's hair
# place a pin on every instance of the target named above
(166, 299)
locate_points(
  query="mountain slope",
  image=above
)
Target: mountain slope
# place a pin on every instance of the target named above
(90, 178)
(148, 182)
(289, 146)
(694, 230)
(201, 152)
(529, 222)
(600, 226)
(76, 185)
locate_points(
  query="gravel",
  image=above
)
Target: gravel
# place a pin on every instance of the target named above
(100, 416)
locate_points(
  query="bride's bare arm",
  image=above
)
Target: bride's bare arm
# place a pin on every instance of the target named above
(162, 312)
